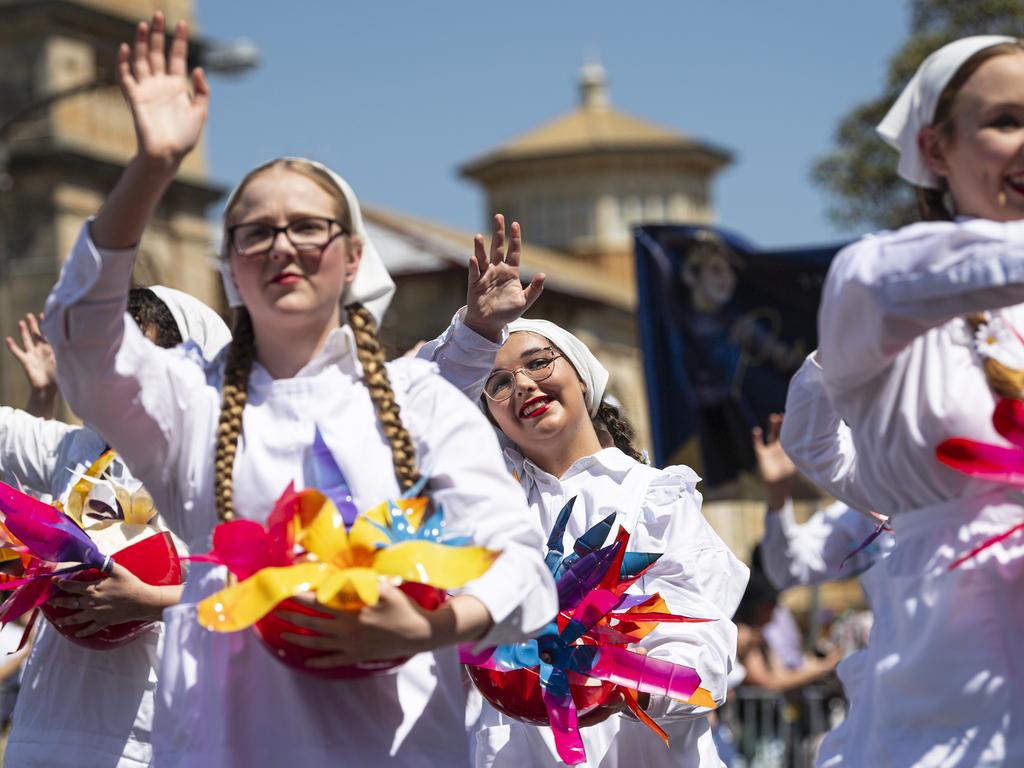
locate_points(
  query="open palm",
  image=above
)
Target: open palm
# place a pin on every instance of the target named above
(495, 295)
(169, 108)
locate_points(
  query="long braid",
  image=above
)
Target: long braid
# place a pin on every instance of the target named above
(1003, 380)
(618, 427)
(229, 427)
(375, 376)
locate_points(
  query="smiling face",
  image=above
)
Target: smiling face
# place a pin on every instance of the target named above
(539, 414)
(979, 151)
(283, 284)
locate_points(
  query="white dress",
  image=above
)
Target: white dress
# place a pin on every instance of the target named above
(76, 706)
(698, 576)
(943, 684)
(223, 700)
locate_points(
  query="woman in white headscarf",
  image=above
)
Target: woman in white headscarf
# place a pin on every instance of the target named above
(222, 440)
(545, 391)
(78, 706)
(920, 335)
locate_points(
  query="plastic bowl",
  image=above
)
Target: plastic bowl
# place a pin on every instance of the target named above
(154, 560)
(517, 693)
(271, 626)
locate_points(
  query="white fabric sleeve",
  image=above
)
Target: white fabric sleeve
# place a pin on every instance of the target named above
(128, 389)
(886, 290)
(797, 554)
(458, 451)
(698, 576)
(30, 449)
(817, 440)
(464, 357)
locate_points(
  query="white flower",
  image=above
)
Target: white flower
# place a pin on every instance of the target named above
(997, 340)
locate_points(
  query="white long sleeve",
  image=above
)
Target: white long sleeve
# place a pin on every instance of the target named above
(802, 554)
(134, 393)
(887, 290)
(463, 357)
(817, 440)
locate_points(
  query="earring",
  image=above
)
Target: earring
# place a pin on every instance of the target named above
(1002, 198)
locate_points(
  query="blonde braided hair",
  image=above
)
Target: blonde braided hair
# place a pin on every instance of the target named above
(241, 354)
(375, 376)
(1003, 380)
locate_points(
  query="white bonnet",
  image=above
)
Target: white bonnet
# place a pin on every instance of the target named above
(915, 107)
(372, 287)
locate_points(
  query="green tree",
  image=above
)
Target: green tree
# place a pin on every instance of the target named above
(859, 174)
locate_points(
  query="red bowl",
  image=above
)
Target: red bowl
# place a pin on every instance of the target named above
(154, 560)
(518, 693)
(271, 626)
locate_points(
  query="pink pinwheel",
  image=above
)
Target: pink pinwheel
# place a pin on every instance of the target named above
(48, 537)
(49, 534)
(995, 463)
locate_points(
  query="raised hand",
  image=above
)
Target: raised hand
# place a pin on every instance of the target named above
(169, 109)
(774, 467)
(494, 295)
(35, 355)
(168, 114)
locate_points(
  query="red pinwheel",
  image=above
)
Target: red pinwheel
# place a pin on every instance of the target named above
(52, 544)
(583, 657)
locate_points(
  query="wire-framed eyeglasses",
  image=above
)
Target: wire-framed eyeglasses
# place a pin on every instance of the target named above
(308, 235)
(502, 383)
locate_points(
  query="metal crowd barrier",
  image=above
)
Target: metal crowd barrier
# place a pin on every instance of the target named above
(763, 729)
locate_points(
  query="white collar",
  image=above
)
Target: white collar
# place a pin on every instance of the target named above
(608, 459)
(339, 350)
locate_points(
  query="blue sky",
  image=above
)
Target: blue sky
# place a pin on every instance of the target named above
(395, 96)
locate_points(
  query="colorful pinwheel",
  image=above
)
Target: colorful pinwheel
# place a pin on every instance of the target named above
(313, 542)
(107, 524)
(994, 463)
(588, 643)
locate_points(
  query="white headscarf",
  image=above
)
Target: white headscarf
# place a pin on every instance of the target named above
(915, 107)
(196, 321)
(593, 374)
(373, 286)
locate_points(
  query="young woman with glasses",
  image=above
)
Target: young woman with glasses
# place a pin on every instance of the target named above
(222, 441)
(546, 393)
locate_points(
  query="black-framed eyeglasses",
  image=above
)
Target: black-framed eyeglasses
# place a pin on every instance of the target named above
(308, 235)
(501, 383)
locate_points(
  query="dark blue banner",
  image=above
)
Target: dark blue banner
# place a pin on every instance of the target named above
(723, 327)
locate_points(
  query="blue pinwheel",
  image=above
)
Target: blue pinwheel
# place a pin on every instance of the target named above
(597, 620)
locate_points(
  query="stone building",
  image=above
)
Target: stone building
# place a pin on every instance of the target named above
(578, 184)
(65, 135)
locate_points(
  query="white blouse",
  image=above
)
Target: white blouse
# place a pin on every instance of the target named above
(940, 682)
(222, 699)
(102, 700)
